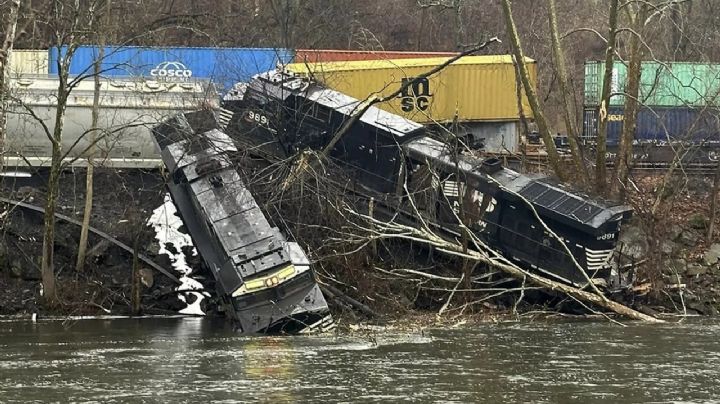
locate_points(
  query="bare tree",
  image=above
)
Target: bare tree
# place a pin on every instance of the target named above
(632, 92)
(5, 57)
(601, 147)
(553, 156)
(567, 98)
(87, 212)
(70, 13)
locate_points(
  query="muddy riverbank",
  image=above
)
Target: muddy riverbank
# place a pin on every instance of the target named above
(676, 269)
(122, 204)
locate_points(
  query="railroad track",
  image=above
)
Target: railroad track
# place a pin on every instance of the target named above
(538, 162)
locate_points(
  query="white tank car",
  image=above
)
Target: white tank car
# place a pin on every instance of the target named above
(128, 109)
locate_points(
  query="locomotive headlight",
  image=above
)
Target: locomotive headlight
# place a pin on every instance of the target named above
(266, 282)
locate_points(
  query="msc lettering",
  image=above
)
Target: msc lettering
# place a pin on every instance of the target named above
(415, 94)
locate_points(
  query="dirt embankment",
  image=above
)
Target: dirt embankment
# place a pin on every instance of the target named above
(123, 201)
(677, 269)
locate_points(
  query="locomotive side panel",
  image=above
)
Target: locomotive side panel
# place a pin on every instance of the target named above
(501, 206)
(265, 281)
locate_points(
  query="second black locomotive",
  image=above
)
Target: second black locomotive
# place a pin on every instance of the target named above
(529, 218)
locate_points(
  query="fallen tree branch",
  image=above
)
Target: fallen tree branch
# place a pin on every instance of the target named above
(98, 232)
(447, 302)
(347, 299)
(482, 254)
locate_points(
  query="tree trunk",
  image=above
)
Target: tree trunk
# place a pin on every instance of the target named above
(524, 130)
(601, 140)
(82, 247)
(553, 157)
(5, 56)
(632, 104)
(135, 288)
(567, 97)
(459, 30)
(48, 265)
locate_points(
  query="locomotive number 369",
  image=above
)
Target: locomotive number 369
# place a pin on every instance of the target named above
(256, 117)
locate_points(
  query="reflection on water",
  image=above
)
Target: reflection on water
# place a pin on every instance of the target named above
(196, 359)
(270, 363)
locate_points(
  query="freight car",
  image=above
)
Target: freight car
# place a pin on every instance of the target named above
(661, 133)
(128, 109)
(475, 95)
(680, 111)
(392, 160)
(265, 282)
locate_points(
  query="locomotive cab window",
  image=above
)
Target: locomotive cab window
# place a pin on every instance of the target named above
(322, 113)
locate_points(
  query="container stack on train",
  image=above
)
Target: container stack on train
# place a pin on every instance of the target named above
(476, 93)
(141, 86)
(679, 111)
(222, 66)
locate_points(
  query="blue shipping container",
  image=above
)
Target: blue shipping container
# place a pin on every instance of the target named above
(657, 125)
(224, 66)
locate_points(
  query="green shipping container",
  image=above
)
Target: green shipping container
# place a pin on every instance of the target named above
(671, 84)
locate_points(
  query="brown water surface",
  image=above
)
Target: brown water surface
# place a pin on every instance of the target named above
(194, 359)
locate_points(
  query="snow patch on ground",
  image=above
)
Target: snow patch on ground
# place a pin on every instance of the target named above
(166, 224)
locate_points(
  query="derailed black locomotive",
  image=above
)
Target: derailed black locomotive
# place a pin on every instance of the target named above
(395, 161)
(265, 282)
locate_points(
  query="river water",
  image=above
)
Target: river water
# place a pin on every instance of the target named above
(196, 359)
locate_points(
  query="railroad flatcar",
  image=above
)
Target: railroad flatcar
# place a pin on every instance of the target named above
(265, 282)
(394, 161)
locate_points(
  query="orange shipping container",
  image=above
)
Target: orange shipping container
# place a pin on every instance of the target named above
(471, 89)
(337, 55)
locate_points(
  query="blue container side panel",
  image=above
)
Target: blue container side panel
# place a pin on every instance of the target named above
(660, 125)
(224, 66)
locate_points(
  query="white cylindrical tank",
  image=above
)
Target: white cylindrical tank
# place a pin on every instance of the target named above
(129, 108)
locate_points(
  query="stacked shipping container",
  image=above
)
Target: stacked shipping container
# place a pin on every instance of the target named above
(336, 55)
(479, 92)
(680, 102)
(223, 66)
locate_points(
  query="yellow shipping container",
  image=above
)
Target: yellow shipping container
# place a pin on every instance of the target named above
(24, 61)
(474, 88)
